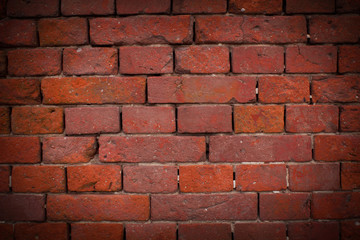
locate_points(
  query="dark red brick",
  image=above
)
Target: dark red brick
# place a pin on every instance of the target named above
(97, 207)
(7, 231)
(344, 6)
(152, 149)
(204, 231)
(350, 176)
(349, 59)
(260, 231)
(22, 207)
(85, 7)
(3, 64)
(258, 6)
(55, 231)
(199, 6)
(4, 179)
(159, 231)
(33, 8)
(3, 10)
(260, 148)
(146, 60)
(16, 32)
(350, 230)
(4, 120)
(313, 230)
(96, 231)
(20, 150)
(142, 6)
(308, 6)
(20, 91)
(204, 207)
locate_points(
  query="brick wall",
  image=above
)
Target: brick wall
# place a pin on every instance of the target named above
(182, 119)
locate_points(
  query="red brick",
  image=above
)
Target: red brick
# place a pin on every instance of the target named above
(350, 176)
(204, 231)
(269, 59)
(337, 205)
(3, 66)
(142, 6)
(260, 231)
(88, 120)
(94, 178)
(199, 6)
(284, 206)
(16, 32)
(20, 91)
(146, 60)
(4, 120)
(313, 230)
(284, 89)
(7, 231)
(152, 149)
(37, 120)
(312, 118)
(22, 207)
(20, 150)
(4, 178)
(95, 231)
(32, 62)
(59, 150)
(350, 230)
(260, 148)
(334, 29)
(204, 207)
(98, 207)
(343, 6)
(202, 59)
(349, 59)
(55, 231)
(259, 6)
(337, 148)
(314, 177)
(38, 179)
(3, 10)
(308, 6)
(93, 90)
(253, 119)
(159, 231)
(206, 178)
(85, 7)
(201, 89)
(34, 8)
(204, 118)
(136, 30)
(264, 177)
(86, 60)
(335, 89)
(58, 32)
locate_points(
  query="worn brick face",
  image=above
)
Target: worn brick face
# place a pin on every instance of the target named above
(16, 32)
(84, 7)
(20, 91)
(94, 231)
(142, 6)
(34, 8)
(253, 7)
(56, 231)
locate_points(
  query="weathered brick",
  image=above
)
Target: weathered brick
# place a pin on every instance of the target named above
(350, 230)
(349, 59)
(259, 6)
(313, 230)
(206, 178)
(20, 91)
(314, 177)
(142, 6)
(335, 89)
(55, 231)
(93, 90)
(260, 231)
(38, 179)
(344, 6)
(204, 207)
(350, 176)
(145, 60)
(260, 148)
(68, 149)
(152, 149)
(312, 118)
(34, 8)
(284, 206)
(97, 207)
(20, 150)
(283, 89)
(263, 177)
(150, 179)
(4, 179)
(7, 230)
(37, 120)
(85, 7)
(87, 120)
(59, 32)
(202, 59)
(337, 148)
(199, 6)
(161, 231)
(95, 231)
(198, 89)
(253, 119)
(136, 30)
(16, 32)
(4, 120)
(269, 59)
(204, 118)
(334, 29)
(336, 205)
(32, 62)
(144, 119)
(86, 60)
(3, 65)
(94, 178)
(308, 6)
(22, 207)
(204, 231)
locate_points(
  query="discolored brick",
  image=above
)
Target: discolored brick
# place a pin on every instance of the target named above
(15, 32)
(4, 179)
(22, 207)
(161, 231)
(85, 7)
(205, 231)
(20, 91)
(349, 60)
(95, 231)
(20, 149)
(199, 6)
(350, 176)
(258, 6)
(260, 231)
(142, 6)
(33, 8)
(55, 231)
(4, 120)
